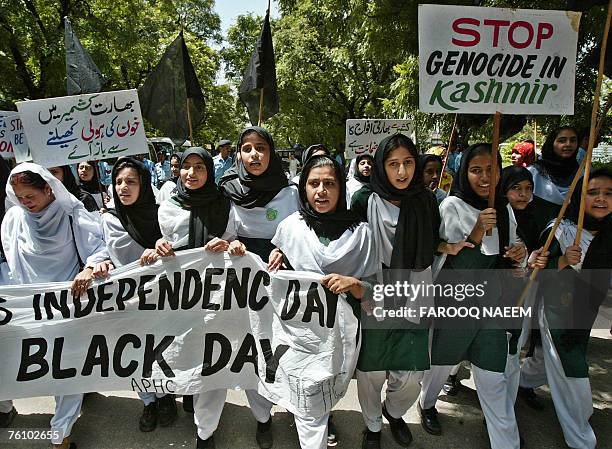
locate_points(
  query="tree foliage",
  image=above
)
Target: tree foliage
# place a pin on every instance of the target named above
(346, 59)
(125, 38)
(336, 59)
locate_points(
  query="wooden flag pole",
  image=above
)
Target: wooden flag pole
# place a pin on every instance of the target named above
(448, 151)
(494, 170)
(551, 234)
(261, 102)
(535, 139)
(189, 122)
(589, 155)
(604, 113)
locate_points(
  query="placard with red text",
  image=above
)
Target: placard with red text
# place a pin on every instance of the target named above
(483, 60)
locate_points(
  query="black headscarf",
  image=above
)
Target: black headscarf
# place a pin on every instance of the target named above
(209, 209)
(71, 185)
(461, 188)
(307, 153)
(250, 191)
(416, 235)
(333, 224)
(527, 227)
(594, 277)
(139, 219)
(5, 171)
(425, 159)
(358, 176)
(560, 170)
(93, 185)
(573, 210)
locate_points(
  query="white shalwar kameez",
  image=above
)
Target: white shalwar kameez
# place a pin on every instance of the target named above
(123, 250)
(352, 254)
(403, 387)
(45, 247)
(174, 226)
(496, 391)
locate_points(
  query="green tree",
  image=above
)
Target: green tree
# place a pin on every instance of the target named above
(125, 38)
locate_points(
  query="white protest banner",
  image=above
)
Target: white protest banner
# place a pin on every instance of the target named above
(485, 60)
(68, 130)
(364, 135)
(195, 322)
(13, 142)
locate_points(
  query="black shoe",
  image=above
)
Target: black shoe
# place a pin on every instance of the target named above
(7, 418)
(531, 398)
(188, 404)
(332, 433)
(451, 386)
(429, 420)
(399, 428)
(371, 440)
(209, 443)
(148, 419)
(264, 434)
(166, 410)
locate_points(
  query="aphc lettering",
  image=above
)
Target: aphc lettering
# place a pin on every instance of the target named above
(153, 386)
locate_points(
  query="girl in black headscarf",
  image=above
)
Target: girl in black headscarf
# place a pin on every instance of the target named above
(65, 175)
(572, 293)
(130, 231)
(324, 237)
(465, 215)
(316, 149)
(90, 181)
(261, 198)
(196, 216)
(430, 169)
(259, 190)
(554, 172)
(362, 170)
(517, 187)
(404, 217)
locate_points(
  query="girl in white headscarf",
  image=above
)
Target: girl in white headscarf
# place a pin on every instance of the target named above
(50, 237)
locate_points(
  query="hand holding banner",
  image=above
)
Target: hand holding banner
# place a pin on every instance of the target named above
(191, 323)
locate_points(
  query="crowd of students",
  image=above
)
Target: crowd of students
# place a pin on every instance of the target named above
(388, 216)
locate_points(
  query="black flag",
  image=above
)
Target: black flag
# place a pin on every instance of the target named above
(82, 75)
(261, 74)
(167, 90)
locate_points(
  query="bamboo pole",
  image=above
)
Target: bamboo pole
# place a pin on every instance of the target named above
(551, 234)
(189, 122)
(535, 139)
(589, 155)
(261, 102)
(494, 169)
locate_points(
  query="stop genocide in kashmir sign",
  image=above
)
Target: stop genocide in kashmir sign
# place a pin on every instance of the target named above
(483, 60)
